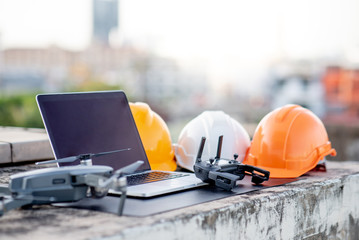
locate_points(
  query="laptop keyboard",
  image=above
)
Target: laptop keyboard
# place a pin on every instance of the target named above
(153, 176)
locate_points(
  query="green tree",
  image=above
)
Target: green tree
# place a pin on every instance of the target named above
(20, 110)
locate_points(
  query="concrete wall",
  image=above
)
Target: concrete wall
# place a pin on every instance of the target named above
(317, 206)
(324, 210)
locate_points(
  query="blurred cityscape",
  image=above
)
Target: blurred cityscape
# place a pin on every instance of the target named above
(329, 87)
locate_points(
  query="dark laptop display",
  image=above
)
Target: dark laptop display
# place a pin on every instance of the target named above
(79, 123)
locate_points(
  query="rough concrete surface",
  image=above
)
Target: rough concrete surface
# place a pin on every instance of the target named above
(322, 206)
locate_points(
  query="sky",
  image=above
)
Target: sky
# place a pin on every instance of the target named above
(38, 23)
(234, 40)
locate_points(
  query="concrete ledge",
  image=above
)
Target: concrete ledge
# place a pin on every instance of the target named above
(25, 144)
(5, 152)
(322, 206)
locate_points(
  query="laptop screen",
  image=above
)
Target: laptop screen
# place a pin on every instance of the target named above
(92, 122)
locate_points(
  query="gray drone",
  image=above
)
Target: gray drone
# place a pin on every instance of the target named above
(65, 184)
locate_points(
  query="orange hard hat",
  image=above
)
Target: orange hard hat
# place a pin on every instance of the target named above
(155, 136)
(289, 142)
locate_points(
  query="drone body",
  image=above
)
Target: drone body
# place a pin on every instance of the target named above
(225, 175)
(65, 184)
(51, 185)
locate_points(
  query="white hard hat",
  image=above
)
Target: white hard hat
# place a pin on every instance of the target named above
(211, 124)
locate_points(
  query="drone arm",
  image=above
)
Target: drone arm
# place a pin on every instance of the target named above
(93, 180)
(122, 202)
(114, 182)
(4, 189)
(120, 185)
(10, 203)
(111, 182)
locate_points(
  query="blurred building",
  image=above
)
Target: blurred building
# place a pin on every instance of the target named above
(297, 83)
(177, 92)
(144, 76)
(341, 94)
(333, 95)
(105, 20)
(170, 89)
(25, 69)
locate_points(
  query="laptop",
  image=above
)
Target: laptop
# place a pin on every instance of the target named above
(94, 122)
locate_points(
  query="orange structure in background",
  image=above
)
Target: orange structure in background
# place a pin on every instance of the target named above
(341, 93)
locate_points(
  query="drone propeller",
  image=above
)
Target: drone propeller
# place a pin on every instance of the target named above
(61, 160)
(81, 157)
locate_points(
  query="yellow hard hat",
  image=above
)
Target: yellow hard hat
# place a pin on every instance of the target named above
(155, 137)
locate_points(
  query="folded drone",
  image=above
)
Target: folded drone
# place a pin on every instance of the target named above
(65, 184)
